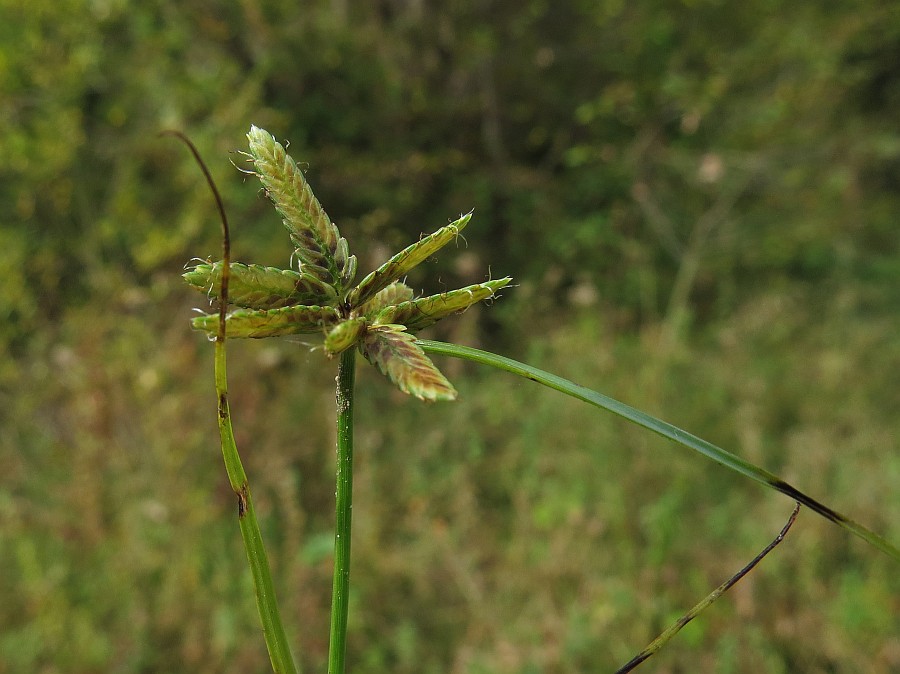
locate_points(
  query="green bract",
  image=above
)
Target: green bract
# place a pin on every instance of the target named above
(378, 315)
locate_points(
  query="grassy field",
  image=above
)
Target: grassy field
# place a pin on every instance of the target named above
(698, 203)
(513, 531)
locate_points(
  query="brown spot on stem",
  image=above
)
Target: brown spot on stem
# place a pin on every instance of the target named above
(223, 406)
(242, 502)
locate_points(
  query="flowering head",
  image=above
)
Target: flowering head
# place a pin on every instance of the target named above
(379, 315)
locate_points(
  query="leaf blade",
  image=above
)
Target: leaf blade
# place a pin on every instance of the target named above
(665, 429)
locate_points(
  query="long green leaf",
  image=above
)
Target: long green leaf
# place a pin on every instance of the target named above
(664, 429)
(273, 629)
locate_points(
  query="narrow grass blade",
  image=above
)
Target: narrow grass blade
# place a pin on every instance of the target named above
(400, 265)
(273, 629)
(664, 429)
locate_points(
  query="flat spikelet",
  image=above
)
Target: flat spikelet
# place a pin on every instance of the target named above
(344, 335)
(254, 286)
(395, 353)
(395, 293)
(425, 311)
(401, 263)
(260, 323)
(318, 244)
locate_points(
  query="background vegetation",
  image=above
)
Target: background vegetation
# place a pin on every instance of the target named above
(699, 201)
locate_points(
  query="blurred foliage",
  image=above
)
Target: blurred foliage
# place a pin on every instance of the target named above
(699, 201)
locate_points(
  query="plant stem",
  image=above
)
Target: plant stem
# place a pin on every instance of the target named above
(344, 505)
(273, 629)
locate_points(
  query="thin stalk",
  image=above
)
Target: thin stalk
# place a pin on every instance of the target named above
(266, 603)
(664, 429)
(340, 596)
(707, 601)
(273, 629)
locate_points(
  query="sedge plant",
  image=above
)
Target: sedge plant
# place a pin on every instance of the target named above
(378, 317)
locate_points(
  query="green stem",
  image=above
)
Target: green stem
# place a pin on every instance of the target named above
(273, 630)
(664, 429)
(344, 497)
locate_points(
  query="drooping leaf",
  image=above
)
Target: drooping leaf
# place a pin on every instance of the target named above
(395, 353)
(425, 311)
(344, 335)
(400, 264)
(294, 320)
(666, 430)
(395, 293)
(315, 236)
(254, 286)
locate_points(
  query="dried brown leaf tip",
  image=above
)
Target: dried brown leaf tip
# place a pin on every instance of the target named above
(378, 316)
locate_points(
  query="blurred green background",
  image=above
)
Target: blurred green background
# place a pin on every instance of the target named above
(699, 201)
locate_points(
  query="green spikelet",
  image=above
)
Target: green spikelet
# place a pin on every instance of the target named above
(315, 237)
(256, 324)
(395, 293)
(344, 335)
(346, 262)
(425, 311)
(254, 286)
(395, 353)
(405, 260)
(379, 315)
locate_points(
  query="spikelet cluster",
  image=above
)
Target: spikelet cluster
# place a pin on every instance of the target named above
(318, 245)
(379, 316)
